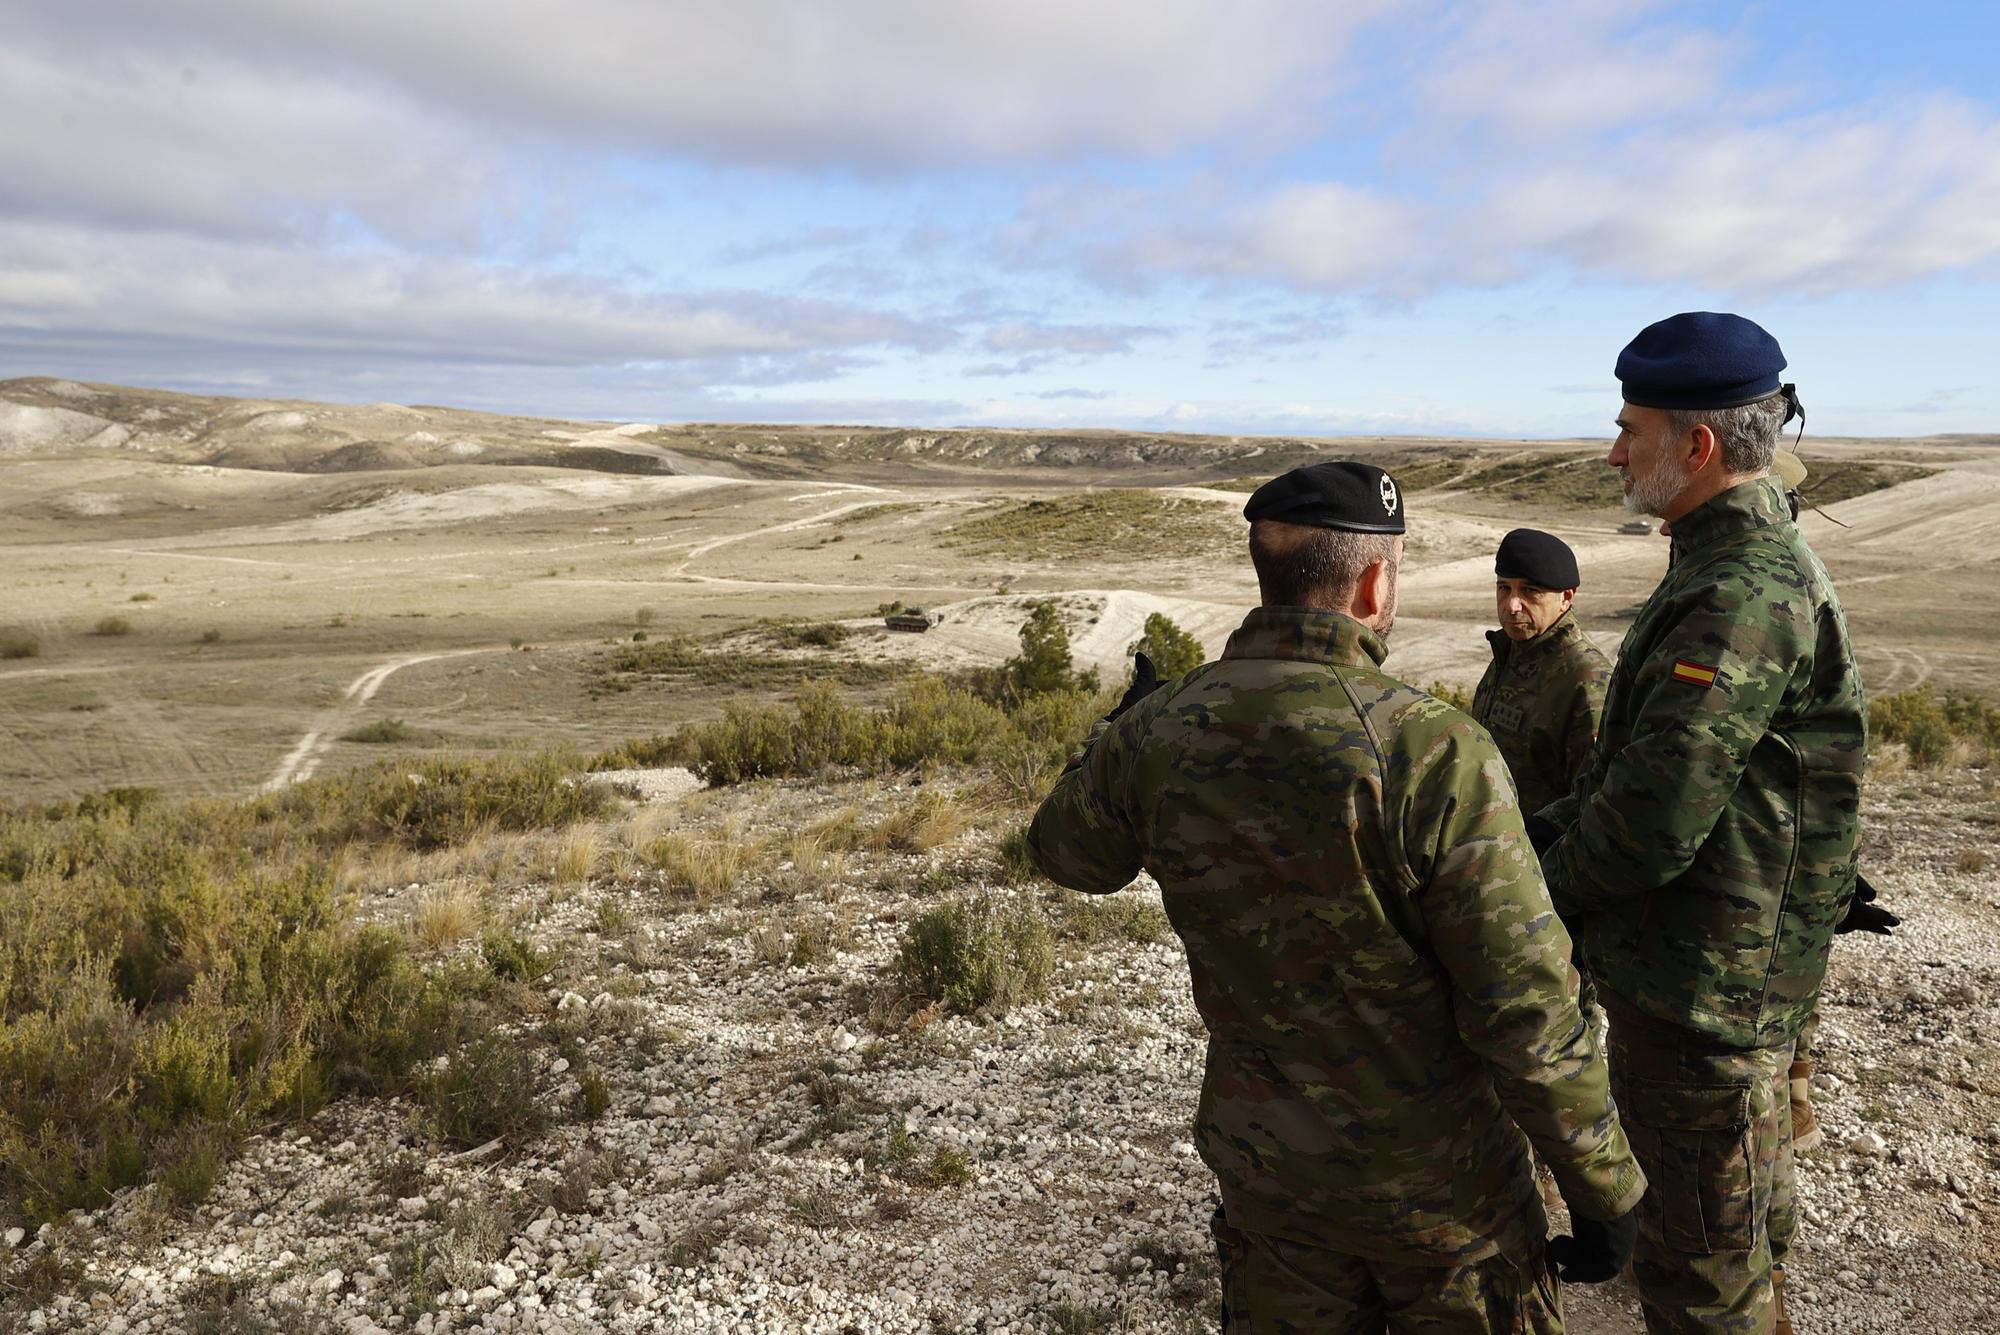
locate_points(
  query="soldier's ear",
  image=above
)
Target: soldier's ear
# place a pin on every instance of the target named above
(1702, 446)
(1371, 591)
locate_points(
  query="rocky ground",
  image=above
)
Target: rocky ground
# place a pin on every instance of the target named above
(782, 1145)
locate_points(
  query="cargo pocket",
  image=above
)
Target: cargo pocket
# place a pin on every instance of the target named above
(1698, 1146)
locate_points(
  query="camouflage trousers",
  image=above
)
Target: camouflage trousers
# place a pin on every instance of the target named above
(1272, 1286)
(1713, 1130)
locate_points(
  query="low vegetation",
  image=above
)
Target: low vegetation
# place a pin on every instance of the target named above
(172, 976)
(679, 661)
(1957, 728)
(17, 644)
(1145, 523)
(1455, 696)
(1174, 652)
(984, 955)
(382, 732)
(1832, 481)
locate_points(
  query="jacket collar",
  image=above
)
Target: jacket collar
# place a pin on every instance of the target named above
(1307, 635)
(1758, 503)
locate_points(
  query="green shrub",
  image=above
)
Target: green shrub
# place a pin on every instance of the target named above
(1092, 920)
(1044, 665)
(15, 644)
(1173, 651)
(927, 721)
(382, 731)
(1934, 729)
(1016, 866)
(484, 1091)
(112, 626)
(947, 1167)
(437, 802)
(515, 958)
(174, 975)
(593, 1097)
(984, 954)
(1454, 696)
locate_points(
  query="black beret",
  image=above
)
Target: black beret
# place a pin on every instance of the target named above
(1541, 558)
(1700, 359)
(1360, 498)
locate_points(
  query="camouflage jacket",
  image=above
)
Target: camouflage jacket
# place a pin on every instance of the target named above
(1540, 699)
(1710, 846)
(1387, 990)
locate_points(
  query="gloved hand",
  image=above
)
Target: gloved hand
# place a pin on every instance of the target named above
(1600, 1249)
(1145, 680)
(1543, 834)
(1862, 913)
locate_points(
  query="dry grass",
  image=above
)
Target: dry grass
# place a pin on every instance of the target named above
(817, 861)
(931, 821)
(1971, 861)
(576, 855)
(704, 866)
(638, 831)
(446, 914)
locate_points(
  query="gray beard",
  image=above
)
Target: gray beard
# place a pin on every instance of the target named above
(1654, 493)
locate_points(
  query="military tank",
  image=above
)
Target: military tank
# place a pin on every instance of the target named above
(911, 619)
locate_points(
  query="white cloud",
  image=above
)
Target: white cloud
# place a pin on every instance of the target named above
(234, 149)
(1581, 143)
(1083, 340)
(262, 300)
(880, 83)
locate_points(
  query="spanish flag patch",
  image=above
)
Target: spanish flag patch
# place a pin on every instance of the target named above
(1693, 673)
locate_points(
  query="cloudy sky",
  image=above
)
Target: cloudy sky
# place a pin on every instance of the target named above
(1264, 215)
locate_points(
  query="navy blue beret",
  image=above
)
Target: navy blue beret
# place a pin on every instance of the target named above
(1358, 497)
(1700, 359)
(1542, 559)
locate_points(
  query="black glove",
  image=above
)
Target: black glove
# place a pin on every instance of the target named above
(1599, 1250)
(1862, 913)
(1145, 680)
(1543, 834)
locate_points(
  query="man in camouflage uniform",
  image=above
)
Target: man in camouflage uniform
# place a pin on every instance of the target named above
(1544, 689)
(1387, 990)
(1706, 856)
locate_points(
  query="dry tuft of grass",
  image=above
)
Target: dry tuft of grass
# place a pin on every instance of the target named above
(576, 855)
(816, 863)
(446, 914)
(1971, 861)
(704, 866)
(933, 820)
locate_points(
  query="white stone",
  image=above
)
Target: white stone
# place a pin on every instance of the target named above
(16, 1236)
(412, 1207)
(1869, 1143)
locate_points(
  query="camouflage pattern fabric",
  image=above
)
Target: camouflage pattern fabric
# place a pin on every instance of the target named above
(1387, 989)
(1274, 1287)
(1711, 845)
(1712, 1127)
(1540, 699)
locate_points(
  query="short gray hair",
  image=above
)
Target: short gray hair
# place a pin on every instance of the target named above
(1748, 435)
(1302, 565)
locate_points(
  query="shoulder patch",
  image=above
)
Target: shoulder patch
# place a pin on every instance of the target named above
(1693, 673)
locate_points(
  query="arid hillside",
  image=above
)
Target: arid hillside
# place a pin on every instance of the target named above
(207, 595)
